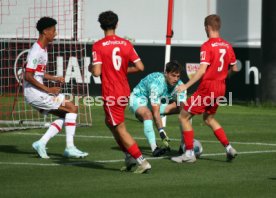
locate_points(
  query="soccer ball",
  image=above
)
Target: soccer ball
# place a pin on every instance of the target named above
(198, 149)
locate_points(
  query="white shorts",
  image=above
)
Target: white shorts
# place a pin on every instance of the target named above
(44, 101)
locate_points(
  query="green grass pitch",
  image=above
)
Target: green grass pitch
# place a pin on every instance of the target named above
(252, 131)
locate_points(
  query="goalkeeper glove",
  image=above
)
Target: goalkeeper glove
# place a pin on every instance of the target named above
(165, 138)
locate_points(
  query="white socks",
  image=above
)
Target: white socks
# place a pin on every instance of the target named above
(153, 147)
(140, 159)
(70, 128)
(190, 153)
(54, 128)
(227, 148)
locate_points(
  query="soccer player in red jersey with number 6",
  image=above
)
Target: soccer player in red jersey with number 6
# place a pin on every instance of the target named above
(216, 55)
(111, 58)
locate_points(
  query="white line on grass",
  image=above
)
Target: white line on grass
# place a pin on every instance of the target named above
(121, 160)
(203, 155)
(244, 143)
(142, 138)
(27, 164)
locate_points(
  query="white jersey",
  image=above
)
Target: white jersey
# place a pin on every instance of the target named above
(36, 63)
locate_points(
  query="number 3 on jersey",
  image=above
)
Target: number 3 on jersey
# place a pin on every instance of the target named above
(116, 59)
(221, 58)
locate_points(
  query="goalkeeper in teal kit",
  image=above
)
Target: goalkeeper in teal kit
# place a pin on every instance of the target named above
(154, 97)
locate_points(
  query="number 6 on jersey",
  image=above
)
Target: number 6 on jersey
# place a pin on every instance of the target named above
(116, 59)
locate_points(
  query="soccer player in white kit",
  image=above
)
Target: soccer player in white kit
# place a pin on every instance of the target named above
(49, 99)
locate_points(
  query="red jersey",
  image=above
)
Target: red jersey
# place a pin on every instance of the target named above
(114, 54)
(218, 54)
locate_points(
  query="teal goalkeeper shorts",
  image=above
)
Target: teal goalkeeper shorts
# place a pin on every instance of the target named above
(135, 102)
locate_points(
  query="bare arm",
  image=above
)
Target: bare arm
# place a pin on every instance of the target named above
(156, 115)
(96, 70)
(233, 69)
(138, 66)
(49, 77)
(54, 78)
(29, 76)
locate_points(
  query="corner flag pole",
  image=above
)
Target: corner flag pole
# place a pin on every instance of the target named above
(168, 42)
(169, 31)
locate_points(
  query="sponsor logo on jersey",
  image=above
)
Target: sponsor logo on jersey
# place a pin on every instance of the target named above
(202, 55)
(219, 44)
(106, 43)
(40, 68)
(94, 54)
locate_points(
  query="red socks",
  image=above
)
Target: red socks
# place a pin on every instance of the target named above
(188, 137)
(134, 151)
(221, 136)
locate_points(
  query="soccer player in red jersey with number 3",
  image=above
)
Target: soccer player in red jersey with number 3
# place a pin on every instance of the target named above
(111, 58)
(215, 57)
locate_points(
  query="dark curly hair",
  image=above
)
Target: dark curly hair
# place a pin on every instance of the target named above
(45, 22)
(108, 20)
(173, 66)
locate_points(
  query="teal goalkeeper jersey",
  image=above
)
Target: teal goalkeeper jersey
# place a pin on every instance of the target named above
(155, 88)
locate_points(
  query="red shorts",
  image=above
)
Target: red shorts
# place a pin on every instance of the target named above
(114, 113)
(204, 99)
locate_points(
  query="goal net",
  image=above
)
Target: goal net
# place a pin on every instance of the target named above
(66, 57)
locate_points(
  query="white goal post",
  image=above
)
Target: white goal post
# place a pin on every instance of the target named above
(66, 56)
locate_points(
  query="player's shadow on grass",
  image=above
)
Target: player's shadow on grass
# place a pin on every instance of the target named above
(146, 151)
(13, 149)
(60, 159)
(82, 163)
(272, 178)
(215, 160)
